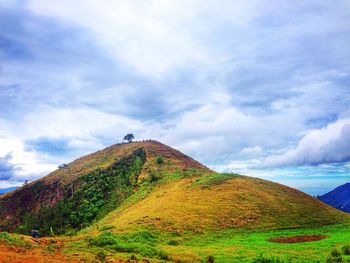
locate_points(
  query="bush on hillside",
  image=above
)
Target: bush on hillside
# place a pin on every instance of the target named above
(346, 250)
(173, 242)
(334, 260)
(107, 227)
(335, 257)
(210, 259)
(335, 253)
(159, 160)
(262, 259)
(101, 256)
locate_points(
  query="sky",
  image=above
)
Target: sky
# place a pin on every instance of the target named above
(260, 88)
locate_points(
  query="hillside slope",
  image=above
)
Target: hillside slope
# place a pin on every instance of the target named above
(95, 184)
(219, 201)
(148, 184)
(338, 198)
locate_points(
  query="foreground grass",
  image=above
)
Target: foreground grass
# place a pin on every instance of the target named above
(13, 240)
(230, 246)
(222, 246)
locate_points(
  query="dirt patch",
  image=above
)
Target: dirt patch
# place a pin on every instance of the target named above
(298, 239)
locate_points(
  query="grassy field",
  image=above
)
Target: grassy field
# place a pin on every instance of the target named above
(223, 246)
(230, 246)
(227, 245)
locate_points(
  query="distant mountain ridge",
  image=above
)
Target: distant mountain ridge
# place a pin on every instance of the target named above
(8, 189)
(338, 198)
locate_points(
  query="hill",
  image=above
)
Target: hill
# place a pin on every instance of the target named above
(92, 186)
(338, 198)
(147, 184)
(219, 201)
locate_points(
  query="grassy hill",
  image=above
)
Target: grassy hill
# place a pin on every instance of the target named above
(95, 185)
(147, 200)
(219, 201)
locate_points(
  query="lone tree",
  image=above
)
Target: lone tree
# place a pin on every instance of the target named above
(129, 137)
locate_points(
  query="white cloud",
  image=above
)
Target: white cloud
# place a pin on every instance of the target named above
(252, 151)
(71, 122)
(85, 129)
(143, 35)
(27, 164)
(330, 144)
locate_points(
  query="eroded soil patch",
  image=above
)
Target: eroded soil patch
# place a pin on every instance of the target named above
(297, 239)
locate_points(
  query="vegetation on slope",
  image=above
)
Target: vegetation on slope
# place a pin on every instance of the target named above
(98, 193)
(98, 183)
(13, 240)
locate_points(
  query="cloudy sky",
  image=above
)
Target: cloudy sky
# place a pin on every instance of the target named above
(256, 87)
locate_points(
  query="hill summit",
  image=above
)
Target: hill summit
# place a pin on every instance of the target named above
(148, 184)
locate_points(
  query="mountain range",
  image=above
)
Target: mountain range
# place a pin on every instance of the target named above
(338, 198)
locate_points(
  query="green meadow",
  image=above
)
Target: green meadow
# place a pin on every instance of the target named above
(219, 246)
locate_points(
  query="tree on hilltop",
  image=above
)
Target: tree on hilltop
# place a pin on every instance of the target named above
(129, 137)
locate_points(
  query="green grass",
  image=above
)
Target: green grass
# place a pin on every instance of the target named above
(143, 243)
(13, 240)
(213, 179)
(224, 246)
(245, 246)
(105, 228)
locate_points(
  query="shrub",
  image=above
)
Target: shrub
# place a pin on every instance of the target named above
(101, 256)
(334, 257)
(105, 239)
(173, 242)
(335, 253)
(346, 250)
(262, 259)
(52, 247)
(71, 232)
(153, 176)
(210, 259)
(143, 237)
(104, 228)
(334, 260)
(159, 160)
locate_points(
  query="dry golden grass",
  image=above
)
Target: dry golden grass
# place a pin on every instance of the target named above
(233, 203)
